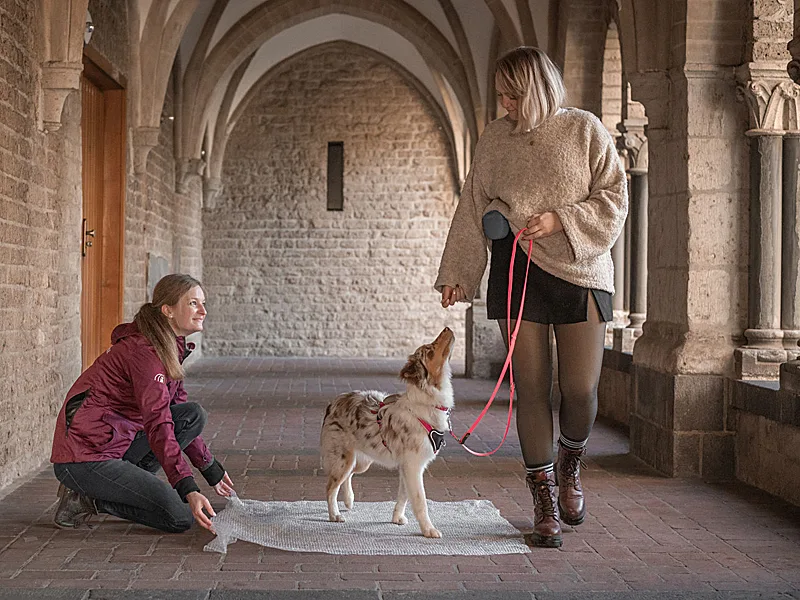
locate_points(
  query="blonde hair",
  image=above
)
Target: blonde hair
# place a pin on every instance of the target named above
(154, 325)
(529, 75)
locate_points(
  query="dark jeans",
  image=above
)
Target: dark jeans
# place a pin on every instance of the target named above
(128, 488)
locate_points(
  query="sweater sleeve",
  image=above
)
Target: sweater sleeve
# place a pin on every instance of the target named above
(465, 255)
(593, 225)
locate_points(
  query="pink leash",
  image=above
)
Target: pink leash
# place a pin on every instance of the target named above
(507, 365)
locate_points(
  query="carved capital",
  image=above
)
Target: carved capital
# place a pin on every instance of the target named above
(58, 81)
(186, 169)
(212, 189)
(143, 140)
(632, 145)
(774, 104)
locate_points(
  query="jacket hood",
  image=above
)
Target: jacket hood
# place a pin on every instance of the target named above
(124, 330)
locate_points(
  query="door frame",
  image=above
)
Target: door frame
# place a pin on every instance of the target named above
(111, 241)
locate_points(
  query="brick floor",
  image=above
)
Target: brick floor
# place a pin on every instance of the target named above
(644, 534)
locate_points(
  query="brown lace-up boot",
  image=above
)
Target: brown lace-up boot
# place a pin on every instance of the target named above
(73, 509)
(570, 493)
(546, 525)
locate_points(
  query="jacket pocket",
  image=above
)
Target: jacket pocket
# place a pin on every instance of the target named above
(121, 429)
(73, 404)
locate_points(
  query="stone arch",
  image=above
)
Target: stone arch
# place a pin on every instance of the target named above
(64, 23)
(160, 40)
(645, 31)
(269, 19)
(398, 194)
(612, 91)
(505, 23)
(153, 59)
(228, 124)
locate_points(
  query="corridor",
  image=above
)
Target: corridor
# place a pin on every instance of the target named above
(646, 536)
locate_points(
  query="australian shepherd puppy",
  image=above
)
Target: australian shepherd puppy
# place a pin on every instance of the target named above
(403, 431)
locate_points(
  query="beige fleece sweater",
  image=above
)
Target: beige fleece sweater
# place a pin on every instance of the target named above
(569, 165)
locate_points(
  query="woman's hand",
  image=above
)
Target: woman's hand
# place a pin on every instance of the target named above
(542, 225)
(224, 487)
(198, 502)
(452, 295)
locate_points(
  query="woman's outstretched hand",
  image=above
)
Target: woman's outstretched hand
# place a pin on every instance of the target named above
(542, 225)
(224, 487)
(198, 502)
(451, 295)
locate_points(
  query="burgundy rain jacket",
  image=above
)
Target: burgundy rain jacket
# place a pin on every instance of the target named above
(126, 390)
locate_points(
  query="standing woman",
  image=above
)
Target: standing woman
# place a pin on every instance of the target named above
(126, 416)
(556, 172)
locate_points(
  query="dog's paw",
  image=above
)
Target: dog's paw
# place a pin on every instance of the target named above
(400, 520)
(336, 518)
(432, 532)
(348, 503)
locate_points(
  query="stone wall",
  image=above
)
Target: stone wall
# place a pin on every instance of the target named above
(288, 277)
(40, 217)
(767, 423)
(160, 220)
(40, 227)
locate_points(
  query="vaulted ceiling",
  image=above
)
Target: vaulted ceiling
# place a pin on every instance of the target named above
(445, 48)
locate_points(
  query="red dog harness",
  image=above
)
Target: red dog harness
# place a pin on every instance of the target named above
(435, 437)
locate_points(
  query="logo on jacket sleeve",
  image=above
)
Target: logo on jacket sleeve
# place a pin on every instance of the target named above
(159, 378)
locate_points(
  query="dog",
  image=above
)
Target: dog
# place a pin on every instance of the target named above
(403, 431)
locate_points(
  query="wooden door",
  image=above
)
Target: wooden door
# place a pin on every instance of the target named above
(102, 226)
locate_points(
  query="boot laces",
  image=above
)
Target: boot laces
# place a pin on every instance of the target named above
(570, 470)
(545, 491)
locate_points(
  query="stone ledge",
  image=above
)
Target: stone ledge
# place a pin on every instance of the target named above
(781, 406)
(617, 361)
(761, 363)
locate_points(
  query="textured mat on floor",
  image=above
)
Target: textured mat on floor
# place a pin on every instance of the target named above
(469, 527)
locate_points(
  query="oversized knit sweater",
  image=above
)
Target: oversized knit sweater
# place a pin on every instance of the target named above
(568, 165)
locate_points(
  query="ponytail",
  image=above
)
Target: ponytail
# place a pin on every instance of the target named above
(155, 326)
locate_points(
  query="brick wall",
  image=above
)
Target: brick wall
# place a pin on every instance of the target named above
(287, 277)
(159, 220)
(40, 215)
(40, 220)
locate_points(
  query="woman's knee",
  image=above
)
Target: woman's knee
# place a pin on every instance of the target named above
(178, 519)
(194, 414)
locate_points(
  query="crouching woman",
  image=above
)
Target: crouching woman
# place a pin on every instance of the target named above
(127, 416)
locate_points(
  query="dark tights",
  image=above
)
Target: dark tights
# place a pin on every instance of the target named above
(580, 359)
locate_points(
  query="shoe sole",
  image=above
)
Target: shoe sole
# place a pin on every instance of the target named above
(571, 522)
(542, 541)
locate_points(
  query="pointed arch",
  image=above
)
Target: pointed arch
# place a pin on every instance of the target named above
(267, 20)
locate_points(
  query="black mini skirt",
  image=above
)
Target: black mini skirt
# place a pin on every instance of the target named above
(548, 299)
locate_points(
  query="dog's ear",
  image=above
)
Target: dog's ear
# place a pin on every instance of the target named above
(415, 371)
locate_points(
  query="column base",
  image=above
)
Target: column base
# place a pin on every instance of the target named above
(677, 425)
(791, 337)
(761, 363)
(625, 338)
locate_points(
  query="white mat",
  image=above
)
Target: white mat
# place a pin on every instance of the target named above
(469, 527)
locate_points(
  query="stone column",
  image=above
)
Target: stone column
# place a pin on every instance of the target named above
(633, 146)
(790, 246)
(772, 100)
(618, 256)
(766, 205)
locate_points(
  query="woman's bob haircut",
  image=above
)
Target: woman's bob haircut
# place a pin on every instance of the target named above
(527, 74)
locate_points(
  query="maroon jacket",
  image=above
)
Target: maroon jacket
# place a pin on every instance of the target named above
(127, 390)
